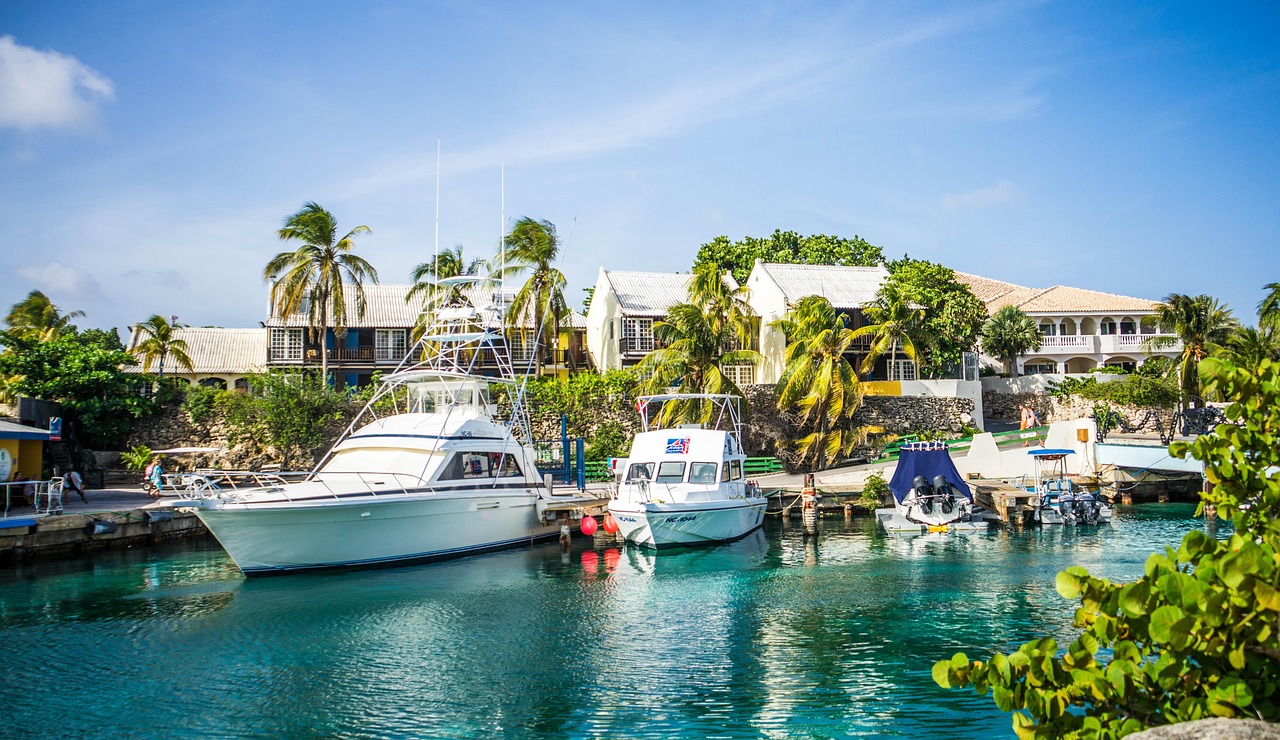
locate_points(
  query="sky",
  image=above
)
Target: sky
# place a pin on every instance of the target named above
(149, 151)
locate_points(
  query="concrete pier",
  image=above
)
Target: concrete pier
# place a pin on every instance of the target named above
(110, 518)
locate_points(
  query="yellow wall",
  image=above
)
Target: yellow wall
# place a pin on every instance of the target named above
(27, 455)
(881, 387)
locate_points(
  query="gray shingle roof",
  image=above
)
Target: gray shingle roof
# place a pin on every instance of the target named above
(844, 287)
(214, 351)
(385, 307)
(648, 293)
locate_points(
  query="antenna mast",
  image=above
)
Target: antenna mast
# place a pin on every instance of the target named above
(435, 264)
(502, 245)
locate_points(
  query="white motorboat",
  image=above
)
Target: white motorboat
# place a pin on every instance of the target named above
(929, 494)
(427, 470)
(1058, 499)
(685, 485)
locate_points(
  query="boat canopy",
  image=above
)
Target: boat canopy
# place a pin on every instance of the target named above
(929, 463)
(1050, 454)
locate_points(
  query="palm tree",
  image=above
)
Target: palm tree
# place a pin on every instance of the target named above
(317, 272)
(1269, 307)
(449, 263)
(722, 299)
(896, 323)
(1202, 325)
(696, 344)
(818, 381)
(36, 316)
(160, 343)
(533, 247)
(1008, 333)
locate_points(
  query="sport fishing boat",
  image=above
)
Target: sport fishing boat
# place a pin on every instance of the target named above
(427, 470)
(1058, 499)
(929, 494)
(684, 485)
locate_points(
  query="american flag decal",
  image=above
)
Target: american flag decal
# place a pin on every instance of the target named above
(678, 446)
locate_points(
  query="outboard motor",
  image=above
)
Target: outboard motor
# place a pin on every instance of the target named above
(923, 493)
(942, 488)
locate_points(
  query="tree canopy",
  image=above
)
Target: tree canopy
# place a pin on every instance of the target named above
(82, 371)
(786, 247)
(1008, 333)
(953, 315)
(35, 316)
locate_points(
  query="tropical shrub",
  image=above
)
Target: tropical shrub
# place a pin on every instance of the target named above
(200, 402)
(287, 411)
(1197, 635)
(136, 458)
(873, 491)
(1133, 390)
(610, 440)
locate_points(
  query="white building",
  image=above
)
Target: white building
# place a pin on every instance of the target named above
(221, 358)
(776, 288)
(624, 306)
(1080, 329)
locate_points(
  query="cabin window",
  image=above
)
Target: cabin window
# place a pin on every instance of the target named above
(473, 465)
(640, 471)
(670, 472)
(725, 473)
(703, 473)
(737, 469)
(286, 344)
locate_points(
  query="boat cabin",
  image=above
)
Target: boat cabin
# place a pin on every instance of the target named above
(685, 459)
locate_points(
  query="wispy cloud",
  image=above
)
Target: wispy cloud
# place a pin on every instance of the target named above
(46, 89)
(1003, 193)
(62, 281)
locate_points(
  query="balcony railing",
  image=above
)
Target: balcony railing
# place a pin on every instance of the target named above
(1055, 344)
(1098, 344)
(637, 345)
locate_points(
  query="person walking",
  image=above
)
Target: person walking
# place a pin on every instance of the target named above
(157, 478)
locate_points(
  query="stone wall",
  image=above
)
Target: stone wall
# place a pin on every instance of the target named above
(1004, 406)
(171, 428)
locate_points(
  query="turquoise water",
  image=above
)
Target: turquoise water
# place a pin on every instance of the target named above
(776, 635)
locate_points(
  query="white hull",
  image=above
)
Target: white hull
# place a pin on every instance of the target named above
(895, 521)
(674, 524)
(369, 530)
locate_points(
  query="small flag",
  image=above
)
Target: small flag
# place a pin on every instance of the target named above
(678, 446)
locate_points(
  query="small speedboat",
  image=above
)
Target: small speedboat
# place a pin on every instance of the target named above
(1059, 500)
(685, 485)
(929, 494)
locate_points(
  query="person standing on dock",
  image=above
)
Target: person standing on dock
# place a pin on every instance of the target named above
(77, 484)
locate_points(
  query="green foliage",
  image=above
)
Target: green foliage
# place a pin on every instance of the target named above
(953, 315)
(80, 370)
(1155, 367)
(1109, 370)
(1202, 324)
(818, 382)
(610, 440)
(35, 317)
(1196, 636)
(1133, 390)
(785, 247)
(200, 402)
(584, 397)
(1008, 333)
(873, 491)
(286, 411)
(136, 458)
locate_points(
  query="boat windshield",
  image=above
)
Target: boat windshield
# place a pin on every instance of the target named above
(429, 396)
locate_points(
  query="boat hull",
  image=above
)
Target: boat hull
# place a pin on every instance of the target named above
(682, 524)
(372, 531)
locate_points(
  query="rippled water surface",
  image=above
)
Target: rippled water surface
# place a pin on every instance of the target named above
(776, 635)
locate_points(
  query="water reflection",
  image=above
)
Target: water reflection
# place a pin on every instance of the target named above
(778, 634)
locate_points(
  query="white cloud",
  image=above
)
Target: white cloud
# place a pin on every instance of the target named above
(45, 89)
(70, 284)
(1004, 192)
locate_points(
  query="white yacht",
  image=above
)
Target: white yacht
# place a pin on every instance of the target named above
(427, 470)
(929, 494)
(685, 485)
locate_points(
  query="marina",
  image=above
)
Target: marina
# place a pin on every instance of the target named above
(778, 634)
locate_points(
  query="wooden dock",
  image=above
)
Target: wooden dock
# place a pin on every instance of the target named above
(1012, 505)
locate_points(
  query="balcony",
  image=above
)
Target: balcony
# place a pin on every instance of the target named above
(366, 355)
(1134, 344)
(1086, 344)
(641, 345)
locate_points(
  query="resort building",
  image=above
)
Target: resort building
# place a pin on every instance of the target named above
(624, 307)
(1080, 329)
(775, 290)
(380, 338)
(220, 358)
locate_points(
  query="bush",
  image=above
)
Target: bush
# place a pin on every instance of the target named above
(136, 458)
(200, 402)
(583, 397)
(1133, 390)
(286, 411)
(873, 492)
(610, 440)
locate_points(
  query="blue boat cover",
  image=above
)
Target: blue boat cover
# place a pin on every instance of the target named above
(927, 463)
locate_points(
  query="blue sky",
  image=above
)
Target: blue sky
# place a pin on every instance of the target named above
(149, 150)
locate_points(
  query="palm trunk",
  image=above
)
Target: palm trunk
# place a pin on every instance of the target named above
(324, 340)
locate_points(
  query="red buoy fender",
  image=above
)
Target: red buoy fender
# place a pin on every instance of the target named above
(588, 525)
